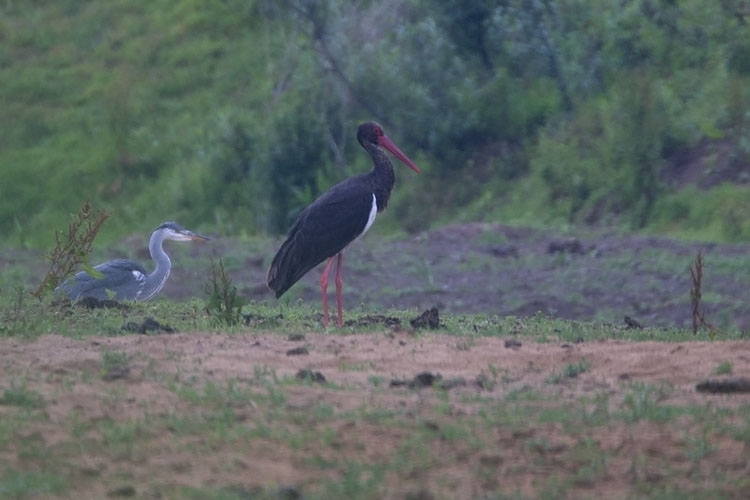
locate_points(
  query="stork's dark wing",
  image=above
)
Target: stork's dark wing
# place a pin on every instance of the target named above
(321, 231)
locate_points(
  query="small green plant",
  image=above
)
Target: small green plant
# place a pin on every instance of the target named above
(72, 249)
(700, 444)
(222, 300)
(121, 438)
(20, 483)
(114, 365)
(644, 402)
(488, 379)
(591, 461)
(723, 368)
(76, 424)
(571, 370)
(21, 396)
(15, 317)
(355, 367)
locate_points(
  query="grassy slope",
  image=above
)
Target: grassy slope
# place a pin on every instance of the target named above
(98, 96)
(122, 103)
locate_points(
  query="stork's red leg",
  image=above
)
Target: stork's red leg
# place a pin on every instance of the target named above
(339, 285)
(324, 289)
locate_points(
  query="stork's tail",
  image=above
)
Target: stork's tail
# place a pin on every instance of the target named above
(279, 277)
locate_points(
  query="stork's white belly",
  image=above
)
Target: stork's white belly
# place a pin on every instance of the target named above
(373, 213)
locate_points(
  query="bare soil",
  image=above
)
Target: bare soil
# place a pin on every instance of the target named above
(350, 362)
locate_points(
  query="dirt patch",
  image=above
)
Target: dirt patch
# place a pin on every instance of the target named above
(70, 377)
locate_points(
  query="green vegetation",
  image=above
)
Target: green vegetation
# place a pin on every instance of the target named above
(114, 365)
(234, 115)
(21, 396)
(723, 368)
(75, 320)
(571, 370)
(222, 297)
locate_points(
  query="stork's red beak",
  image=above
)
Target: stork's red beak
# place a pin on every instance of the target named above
(385, 142)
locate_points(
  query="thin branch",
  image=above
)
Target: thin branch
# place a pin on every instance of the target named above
(699, 318)
(312, 13)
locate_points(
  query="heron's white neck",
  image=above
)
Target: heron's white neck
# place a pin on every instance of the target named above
(158, 277)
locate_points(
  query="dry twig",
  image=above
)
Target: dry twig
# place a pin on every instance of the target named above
(699, 318)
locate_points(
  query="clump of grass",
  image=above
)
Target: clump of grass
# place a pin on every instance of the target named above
(21, 396)
(223, 301)
(488, 379)
(700, 445)
(14, 317)
(19, 483)
(724, 368)
(571, 370)
(114, 365)
(645, 402)
(73, 248)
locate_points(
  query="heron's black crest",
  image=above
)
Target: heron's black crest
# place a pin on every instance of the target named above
(171, 225)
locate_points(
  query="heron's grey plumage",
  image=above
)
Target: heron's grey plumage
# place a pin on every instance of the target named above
(127, 280)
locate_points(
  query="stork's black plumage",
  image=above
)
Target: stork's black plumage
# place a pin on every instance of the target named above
(336, 218)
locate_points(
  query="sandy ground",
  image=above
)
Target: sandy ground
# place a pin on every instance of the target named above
(395, 356)
(350, 362)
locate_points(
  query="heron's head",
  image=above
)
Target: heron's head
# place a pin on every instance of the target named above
(174, 231)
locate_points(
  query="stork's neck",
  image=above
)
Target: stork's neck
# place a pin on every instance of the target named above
(382, 174)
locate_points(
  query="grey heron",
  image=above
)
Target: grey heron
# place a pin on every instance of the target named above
(124, 279)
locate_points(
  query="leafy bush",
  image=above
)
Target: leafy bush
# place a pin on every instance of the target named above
(719, 214)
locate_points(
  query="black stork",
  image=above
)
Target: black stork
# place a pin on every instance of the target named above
(339, 216)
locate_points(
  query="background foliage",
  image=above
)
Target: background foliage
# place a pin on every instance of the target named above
(233, 115)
